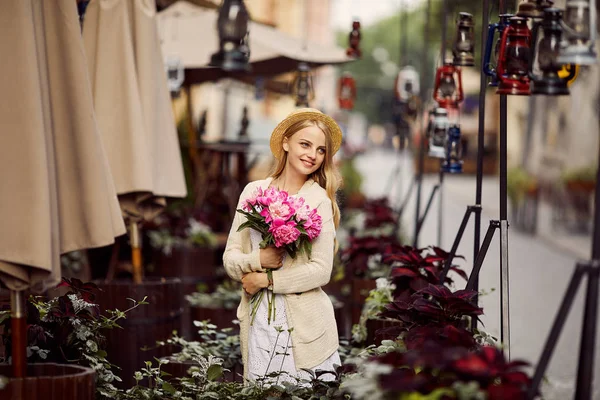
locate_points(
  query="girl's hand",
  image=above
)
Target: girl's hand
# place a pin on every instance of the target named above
(254, 281)
(271, 257)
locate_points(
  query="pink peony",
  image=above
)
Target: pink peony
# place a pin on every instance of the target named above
(284, 232)
(253, 199)
(278, 210)
(302, 213)
(313, 224)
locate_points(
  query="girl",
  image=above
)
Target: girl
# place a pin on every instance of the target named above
(304, 333)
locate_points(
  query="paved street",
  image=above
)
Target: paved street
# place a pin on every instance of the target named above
(540, 266)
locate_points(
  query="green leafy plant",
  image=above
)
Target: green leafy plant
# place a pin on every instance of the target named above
(519, 183)
(227, 295)
(68, 329)
(170, 233)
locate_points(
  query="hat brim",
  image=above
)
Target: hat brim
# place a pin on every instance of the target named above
(276, 142)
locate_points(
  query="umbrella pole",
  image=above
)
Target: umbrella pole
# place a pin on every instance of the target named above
(136, 252)
(18, 333)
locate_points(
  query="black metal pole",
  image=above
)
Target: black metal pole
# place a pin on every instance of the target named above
(585, 368)
(422, 219)
(457, 239)
(555, 331)
(480, 141)
(494, 224)
(419, 176)
(504, 278)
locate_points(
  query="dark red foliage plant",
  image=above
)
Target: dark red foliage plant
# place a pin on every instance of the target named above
(414, 269)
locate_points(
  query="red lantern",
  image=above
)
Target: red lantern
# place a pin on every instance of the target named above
(353, 49)
(514, 57)
(447, 93)
(346, 91)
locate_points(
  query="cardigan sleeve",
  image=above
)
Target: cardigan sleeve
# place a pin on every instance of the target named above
(317, 271)
(235, 260)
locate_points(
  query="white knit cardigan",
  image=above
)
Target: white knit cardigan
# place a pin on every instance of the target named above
(308, 308)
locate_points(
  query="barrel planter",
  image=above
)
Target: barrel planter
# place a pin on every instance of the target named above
(143, 326)
(50, 382)
(360, 292)
(221, 317)
(376, 324)
(193, 266)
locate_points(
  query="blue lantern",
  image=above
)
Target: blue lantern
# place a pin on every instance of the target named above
(489, 66)
(453, 162)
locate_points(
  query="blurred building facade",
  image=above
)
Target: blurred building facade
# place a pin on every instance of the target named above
(224, 101)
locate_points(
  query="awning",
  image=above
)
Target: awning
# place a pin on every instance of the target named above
(132, 104)
(57, 193)
(190, 33)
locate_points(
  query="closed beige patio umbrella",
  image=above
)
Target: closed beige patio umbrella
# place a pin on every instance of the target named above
(56, 190)
(133, 108)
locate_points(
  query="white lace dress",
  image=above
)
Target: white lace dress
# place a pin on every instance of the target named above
(265, 338)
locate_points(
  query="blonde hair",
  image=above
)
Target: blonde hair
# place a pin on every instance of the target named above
(327, 176)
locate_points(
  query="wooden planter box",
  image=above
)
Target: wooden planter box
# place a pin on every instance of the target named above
(221, 317)
(144, 325)
(374, 325)
(50, 382)
(360, 292)
(193, 266)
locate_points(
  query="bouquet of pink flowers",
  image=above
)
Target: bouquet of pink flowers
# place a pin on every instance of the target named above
(283, 221)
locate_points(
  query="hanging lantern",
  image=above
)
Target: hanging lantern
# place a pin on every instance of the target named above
(346, 91)
(232, 25)
(302, 86)
(514, 58)
(175, 74)
(549, 83)
(244, 123)
(464, 43)
(579, 32)
(453, 162)
(353, 49)
(533, 8)
(447, 93)
(489, 64)
(438, 132)
(406, 85)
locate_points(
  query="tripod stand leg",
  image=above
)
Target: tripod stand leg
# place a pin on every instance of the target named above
(559, 322)
(422, 219)
(457, 239)
(406, 197)
(585, 369)
(474, 277)
(504, 289)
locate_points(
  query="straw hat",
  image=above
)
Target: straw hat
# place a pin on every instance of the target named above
(299, 115)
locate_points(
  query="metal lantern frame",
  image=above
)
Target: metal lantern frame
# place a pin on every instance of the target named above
(533, 8)
(448, 70)
(232, 26)
(437, 136)
(453, 162)
(302, 86)
(579, 47)
(516, 84)
(549, 83)
(488, 68)
(463, 49)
